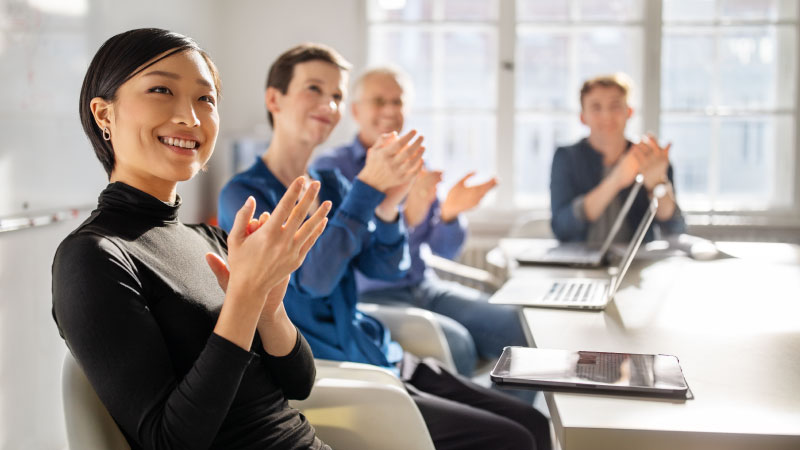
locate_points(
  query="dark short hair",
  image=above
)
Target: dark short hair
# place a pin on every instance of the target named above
(118, 60)
(282, 70)
(617, 80)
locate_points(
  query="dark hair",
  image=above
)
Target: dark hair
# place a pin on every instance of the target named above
(118, 60)
(282, 70)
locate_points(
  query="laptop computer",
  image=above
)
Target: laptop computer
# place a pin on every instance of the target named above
(590, 372)
(575, 291)
(547, 251)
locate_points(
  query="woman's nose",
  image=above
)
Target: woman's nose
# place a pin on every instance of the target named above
(185, 114)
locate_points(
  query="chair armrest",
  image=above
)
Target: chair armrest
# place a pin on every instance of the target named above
(416, 329)
(463, 273)
(358, 406)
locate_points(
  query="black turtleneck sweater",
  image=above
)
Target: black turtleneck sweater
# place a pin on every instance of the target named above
(137, 304)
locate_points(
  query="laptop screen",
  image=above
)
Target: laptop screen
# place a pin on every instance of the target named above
(623, 213)
(635, 243)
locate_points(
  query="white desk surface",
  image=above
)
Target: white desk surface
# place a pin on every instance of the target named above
(734, 324)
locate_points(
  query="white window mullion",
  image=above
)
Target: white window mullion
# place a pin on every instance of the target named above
(506, 123)
(651, 70)
(796, 200)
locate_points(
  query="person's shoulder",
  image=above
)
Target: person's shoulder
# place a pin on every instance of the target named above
(574, 148)
(335, 157)
(332, 179)
(88, 244)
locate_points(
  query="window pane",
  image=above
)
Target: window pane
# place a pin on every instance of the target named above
(708, 10)
(543, 80)
(457, 143)
(749, 163)
(542, 10)
(749, 64)
(552, 65)
(400, 10)
(612, 11)
(409, 49)
(690, 157)
(687, 69)
(609, 50)
(484, 10)
(688, 10)
(470, 69)
(757, 9)
(537, 137)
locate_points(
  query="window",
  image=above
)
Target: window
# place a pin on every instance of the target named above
(497, 81)
(728, 101)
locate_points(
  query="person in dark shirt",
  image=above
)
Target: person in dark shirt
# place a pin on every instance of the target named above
(590, 179)
(305, 89)
(184, 351)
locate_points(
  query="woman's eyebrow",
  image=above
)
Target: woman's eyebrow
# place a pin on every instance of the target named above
(162, 73)
(175, 76)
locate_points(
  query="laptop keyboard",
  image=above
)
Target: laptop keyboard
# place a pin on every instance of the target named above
(583, 291)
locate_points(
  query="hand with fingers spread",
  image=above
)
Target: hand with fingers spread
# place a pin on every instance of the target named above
(462, 198)
(391, 165)
(421, 196)
(277, 248)
(262, 253)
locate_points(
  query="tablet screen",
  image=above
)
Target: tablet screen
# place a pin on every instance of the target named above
(575, 369)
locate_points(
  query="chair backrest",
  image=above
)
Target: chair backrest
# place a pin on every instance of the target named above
(89, 425)
(362, 407)
(354, 406)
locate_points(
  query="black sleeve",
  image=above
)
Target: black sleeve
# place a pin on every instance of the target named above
(294, 372)
(99, 306)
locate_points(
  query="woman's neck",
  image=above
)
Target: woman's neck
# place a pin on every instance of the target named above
(610, 148)
(164, 190)
(287, 159)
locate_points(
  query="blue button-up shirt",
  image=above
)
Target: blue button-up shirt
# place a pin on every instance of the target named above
(443, 238)
(576, 170)
(321, 297)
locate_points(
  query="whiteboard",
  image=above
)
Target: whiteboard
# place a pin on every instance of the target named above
(46, 162)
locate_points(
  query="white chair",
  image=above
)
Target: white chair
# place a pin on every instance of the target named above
(360, 407)
(89, 425)
(416, 329)
(353, 406)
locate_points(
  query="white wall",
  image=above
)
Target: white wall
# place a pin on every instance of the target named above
(46, 162)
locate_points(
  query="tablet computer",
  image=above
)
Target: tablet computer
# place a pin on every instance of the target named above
(590, 372)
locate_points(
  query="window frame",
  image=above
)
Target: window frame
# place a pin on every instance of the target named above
(504, 213)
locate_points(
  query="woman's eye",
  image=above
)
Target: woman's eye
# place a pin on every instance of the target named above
(160, 90)
(209, 99)
(315, 88)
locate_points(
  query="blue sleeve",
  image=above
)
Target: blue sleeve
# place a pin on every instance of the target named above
(566, 202)
(446, 238)
(349, 236)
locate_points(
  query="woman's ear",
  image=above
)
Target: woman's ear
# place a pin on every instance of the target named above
(272, 100)
(103, 112)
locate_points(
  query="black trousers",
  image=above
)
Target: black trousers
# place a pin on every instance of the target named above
(463, 415)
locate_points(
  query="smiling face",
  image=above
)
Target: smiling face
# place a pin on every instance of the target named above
(163, 123)
(311, 106)
(379, 107)
(605, 111)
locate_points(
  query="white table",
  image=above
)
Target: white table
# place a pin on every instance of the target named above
(735, 325)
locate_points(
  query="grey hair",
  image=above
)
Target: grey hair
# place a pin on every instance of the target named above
(396, 73)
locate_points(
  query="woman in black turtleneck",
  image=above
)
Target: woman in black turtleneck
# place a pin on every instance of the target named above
(184, 350)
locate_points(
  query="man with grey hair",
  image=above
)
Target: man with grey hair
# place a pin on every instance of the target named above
(379, 106)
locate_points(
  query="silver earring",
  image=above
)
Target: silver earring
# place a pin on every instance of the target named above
(106, 134)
